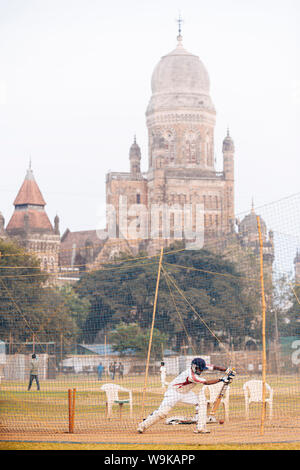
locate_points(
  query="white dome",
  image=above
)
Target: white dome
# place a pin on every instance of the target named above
(180, 80)
(180, 71)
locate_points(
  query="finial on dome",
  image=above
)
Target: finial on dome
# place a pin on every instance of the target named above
(179, 21)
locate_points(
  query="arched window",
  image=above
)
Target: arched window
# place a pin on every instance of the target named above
(192, 147)
(209, 151)
(52, 264)
(169, 137)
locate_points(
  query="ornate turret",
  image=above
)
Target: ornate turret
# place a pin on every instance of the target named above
(135, 158)
(30, 225)
(228, 169)
(249, 235)
(56, 225)
(228, 157)
(29, 214)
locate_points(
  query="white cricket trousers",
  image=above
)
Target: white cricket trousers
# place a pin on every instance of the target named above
(171, 398)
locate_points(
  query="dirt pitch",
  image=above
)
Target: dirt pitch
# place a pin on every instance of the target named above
(280, 431)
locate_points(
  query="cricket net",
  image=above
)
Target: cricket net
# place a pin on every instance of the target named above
(101, 335)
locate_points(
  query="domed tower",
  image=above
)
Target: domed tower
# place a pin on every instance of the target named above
(181, 111)
(181, 119)
(183, 195)
(249, 235)
(248, 228)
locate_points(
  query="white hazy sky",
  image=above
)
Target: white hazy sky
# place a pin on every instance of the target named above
(75, 83)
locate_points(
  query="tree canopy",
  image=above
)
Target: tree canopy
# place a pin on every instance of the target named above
(30, 304)
(201, 295)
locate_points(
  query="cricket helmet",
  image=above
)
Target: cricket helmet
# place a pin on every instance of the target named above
(198, 365)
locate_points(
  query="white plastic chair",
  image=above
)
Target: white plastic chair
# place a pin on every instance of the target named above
(213, 392)
(112, 397)
(253, 392)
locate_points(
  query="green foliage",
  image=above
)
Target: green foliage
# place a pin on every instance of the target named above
(132, 337)
(20, 289)
(29, 304)
(76, 307)
(219, 298)
(292, 325)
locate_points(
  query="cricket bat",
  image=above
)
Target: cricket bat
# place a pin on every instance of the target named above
(219, 398)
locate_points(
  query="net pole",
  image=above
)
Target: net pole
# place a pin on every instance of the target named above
(70, 410)
(73, 408)
(61, 350)
(264, 356)
(152, 327)
(105, 361)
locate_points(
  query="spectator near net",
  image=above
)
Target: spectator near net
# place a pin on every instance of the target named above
(34, 370)
(163, 374)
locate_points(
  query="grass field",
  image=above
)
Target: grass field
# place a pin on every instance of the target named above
(39, 420)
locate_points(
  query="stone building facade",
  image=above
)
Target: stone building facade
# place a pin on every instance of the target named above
(149, 210)
(181, 173)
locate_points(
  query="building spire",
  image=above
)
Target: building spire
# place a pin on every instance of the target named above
(179, 21)
(29, 174)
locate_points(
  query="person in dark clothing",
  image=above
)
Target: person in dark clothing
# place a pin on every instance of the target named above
(121, 370)
(34, 370)
(100, 370)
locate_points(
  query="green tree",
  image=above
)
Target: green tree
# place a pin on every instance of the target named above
(292, 319)
(211, 296)
(29, 304)
(131, 337)
(21, 281)
(77, 307)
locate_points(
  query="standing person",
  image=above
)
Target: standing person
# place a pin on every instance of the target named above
(100, 370)
(179, 390)
(163, 373)
(34, 370)
(121, 370)
(112, 370)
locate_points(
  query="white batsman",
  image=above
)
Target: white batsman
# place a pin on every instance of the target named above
(171, 398)
(179, 390)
